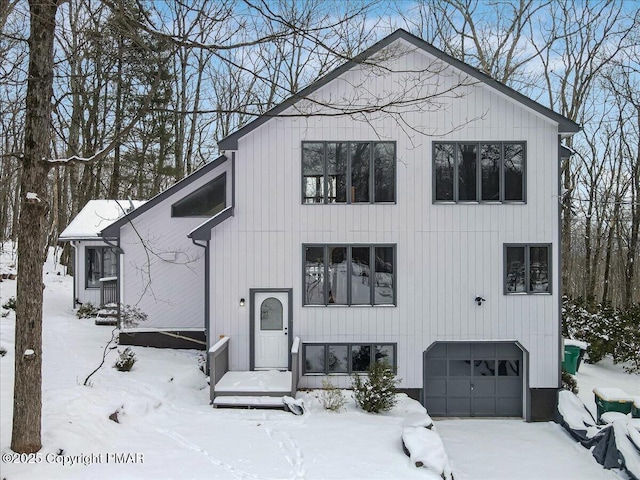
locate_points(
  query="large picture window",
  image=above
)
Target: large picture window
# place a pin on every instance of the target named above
(348, 172)
(203, 202)
(527, 268)
(346, 358)
(101, 262)
(491, 172)
(349, 274)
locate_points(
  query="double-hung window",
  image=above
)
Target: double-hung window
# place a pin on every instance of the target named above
(348, 172)
(491, 172)
(527, 268)
(349, 274)
(101, 262)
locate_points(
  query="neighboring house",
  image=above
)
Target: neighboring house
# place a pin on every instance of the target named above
(95, 262)
(425, 234)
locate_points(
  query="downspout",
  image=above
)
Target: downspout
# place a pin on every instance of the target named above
(75, 273)
(206, 297)
(559, 274)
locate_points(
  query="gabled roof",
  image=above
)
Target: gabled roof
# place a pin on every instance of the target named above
(113, 230)
(203, 231)
(564, 124)
(95, 216)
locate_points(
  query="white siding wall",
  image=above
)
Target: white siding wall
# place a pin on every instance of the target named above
(83, 294)
(162, 270)
(446, 254)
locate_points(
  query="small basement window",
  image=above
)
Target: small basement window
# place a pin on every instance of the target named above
(206, 201)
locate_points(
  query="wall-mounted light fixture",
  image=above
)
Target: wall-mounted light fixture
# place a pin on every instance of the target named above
(479, 300)
(242, 302)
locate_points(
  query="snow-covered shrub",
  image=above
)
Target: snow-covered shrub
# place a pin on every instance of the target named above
(3, 351)
(331, 397)
(87, 310)
(569, 382)
(608, 330)
(10, 304)
(627, 346)
(125, 360)
(376, 392)
(131, 316)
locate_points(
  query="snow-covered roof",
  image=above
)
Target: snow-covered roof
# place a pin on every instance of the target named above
(95, 216)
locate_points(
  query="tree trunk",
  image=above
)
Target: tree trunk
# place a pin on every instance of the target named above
(27, 395)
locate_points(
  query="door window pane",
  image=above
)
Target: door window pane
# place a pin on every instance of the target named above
(508, 368)
(313, 172)
(539, 269)
(384, 164)
(383, 286)
(271, 314)
(514, 172)
(467, 155)
(484, 368)
(490, 168)
(360, 166)
(444, 171)
(337, 279)
(515, 270)
(360, 275)
(314, 358)
(314, 276)
(360, 358)
(337, 172)
(338, 360)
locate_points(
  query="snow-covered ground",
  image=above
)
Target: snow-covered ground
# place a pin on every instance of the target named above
(168, 430)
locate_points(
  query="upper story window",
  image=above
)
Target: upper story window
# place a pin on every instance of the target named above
(206, 201)
(349, 274)
(348, 172)
(492, 172)
(527, 268)
(101, 263)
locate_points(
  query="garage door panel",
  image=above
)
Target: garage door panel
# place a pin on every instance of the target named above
(484, 406)
(459, 387)
(484, 387)
(509, 387)
(487, 350)
(508, 350)
(435, 367)
(459, 350)
(436, 387)
(436, 405)
(459, 406)
(510, 407)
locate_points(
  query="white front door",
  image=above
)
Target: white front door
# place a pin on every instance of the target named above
(271, 314)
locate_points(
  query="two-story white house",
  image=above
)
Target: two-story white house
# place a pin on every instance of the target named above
(403, 208)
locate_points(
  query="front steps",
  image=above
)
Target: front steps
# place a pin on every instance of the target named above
(254, 389)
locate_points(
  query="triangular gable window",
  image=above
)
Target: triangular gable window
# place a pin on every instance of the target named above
(205, 201)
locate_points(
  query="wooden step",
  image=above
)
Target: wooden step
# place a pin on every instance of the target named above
(248, 401)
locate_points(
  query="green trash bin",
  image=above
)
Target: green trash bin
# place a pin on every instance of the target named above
(635, 410)
(612, 400)
(570, 362)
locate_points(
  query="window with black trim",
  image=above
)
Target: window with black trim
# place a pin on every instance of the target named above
(345, 358)
(349, 274)
(101, 262)
(206, 201)
(348, 172)
(491, 172)
(527, 268)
